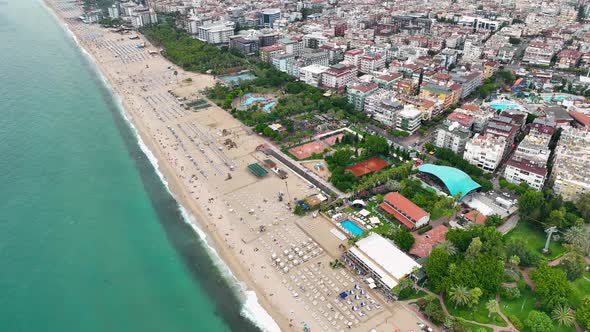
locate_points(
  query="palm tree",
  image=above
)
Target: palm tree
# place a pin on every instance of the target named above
(459, 295)
(577, 236)
(491, 306)
(564, 315)
(449, 247)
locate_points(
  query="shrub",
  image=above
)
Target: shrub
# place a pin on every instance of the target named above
(516, 322)
(424, 229)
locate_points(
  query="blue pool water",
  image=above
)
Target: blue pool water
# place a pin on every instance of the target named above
(352, 227)
(251, 100)
(555, 98)
(235, 79)
(268, 106)
(503, 106)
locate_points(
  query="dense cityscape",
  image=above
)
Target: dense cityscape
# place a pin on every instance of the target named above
(387, 165)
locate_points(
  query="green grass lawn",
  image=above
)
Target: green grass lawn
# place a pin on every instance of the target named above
(478, 314)
(535, 239)
(519, 307)
(522, 306)
(413, 295)
(476, 328)
(580, 288)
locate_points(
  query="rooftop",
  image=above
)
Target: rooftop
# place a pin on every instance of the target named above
(389, 257)
(425, 242)
(454, 179)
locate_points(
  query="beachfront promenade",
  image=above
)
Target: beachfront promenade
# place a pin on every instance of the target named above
(242, 215)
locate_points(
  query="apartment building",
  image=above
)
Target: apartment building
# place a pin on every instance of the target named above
(538, 53)
(469, 81)
(409, 119)
(371, 62)
(312, 74)
(451, 135)
(357, 94)
(571, 167)
(216, 33)
(446, 96)
(338, 76)
(354, 57)
(383, 107)
(387, 81)
(485, 151)
(522, 170)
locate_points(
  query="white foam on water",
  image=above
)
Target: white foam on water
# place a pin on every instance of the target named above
(251, 308)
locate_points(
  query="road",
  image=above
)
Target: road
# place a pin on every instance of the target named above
(509, 225)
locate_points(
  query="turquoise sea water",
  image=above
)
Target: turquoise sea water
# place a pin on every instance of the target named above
(90, 240)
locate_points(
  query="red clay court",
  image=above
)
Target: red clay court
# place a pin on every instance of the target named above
(332, 139)
(305, 151)
(370, 165)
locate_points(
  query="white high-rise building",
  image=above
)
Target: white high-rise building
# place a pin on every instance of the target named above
(485, 151)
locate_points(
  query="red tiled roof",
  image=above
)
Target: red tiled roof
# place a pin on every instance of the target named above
(271, 48)
(424, 243)
(364, 87)
(476, 217)
(413, 211)
(389, 77)
(470, 107)
(527, 166)
(581, 118)
(397, 215)
(354, 52)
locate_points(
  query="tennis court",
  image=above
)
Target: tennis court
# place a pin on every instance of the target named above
(305, 151)
(370, 165)
(332, 139)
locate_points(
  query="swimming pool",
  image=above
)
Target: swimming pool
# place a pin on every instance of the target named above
(236, 79)
(503, 106)
(250, 100)
(555, 98)
(267, 107)
(353, 228)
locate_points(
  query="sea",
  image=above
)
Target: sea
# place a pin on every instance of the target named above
(90, 237)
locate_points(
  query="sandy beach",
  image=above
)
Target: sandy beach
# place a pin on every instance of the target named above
(203, 155)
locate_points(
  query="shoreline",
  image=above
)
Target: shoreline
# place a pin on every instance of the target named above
(193, 214)
(278, 264)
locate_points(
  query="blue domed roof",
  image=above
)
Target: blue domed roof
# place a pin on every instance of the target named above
(454, 179)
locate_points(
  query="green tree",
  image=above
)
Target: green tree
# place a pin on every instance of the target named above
(459, 295)
(299, 210)
(583, 205)
(518, 247)
(474, 248)
(529, 202)
(375, 145)
(578, 237)
(448, 246)
(514, 261)
(583, 313)
(437, 266)
(474, 296)
(574, 265)
(494, 220)
(538, 321)
(551, 285)
(341, 157)
(404, 239)
(491, 307)
(563, 315)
